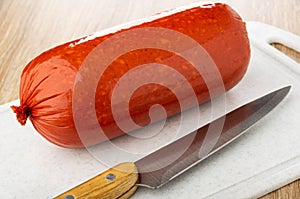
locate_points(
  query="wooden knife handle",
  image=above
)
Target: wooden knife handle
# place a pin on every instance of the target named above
(117, 182)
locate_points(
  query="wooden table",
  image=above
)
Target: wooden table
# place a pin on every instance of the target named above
(28, 28)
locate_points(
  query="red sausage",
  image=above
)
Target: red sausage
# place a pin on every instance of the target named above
(59, 87)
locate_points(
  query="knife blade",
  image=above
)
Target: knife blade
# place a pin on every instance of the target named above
(122, 180)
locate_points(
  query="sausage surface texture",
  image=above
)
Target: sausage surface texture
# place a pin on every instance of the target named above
(48, 82)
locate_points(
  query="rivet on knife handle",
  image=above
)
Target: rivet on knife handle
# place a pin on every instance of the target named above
(117, 182)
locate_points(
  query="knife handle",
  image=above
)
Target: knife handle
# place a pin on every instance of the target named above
(117, 182)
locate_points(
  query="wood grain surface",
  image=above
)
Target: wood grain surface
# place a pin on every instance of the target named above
(117, 182)
(29, 27)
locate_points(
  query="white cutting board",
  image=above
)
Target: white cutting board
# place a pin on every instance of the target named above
(264, 159)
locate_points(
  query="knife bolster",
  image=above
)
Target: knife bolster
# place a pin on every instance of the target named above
(116, 182)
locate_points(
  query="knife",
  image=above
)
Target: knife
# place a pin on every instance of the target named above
(122, 180)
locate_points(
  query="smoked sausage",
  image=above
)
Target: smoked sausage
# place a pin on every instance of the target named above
(48, 82)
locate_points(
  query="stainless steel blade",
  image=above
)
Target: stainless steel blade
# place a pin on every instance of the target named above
(152, 169)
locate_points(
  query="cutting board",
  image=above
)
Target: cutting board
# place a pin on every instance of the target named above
(264, 159)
